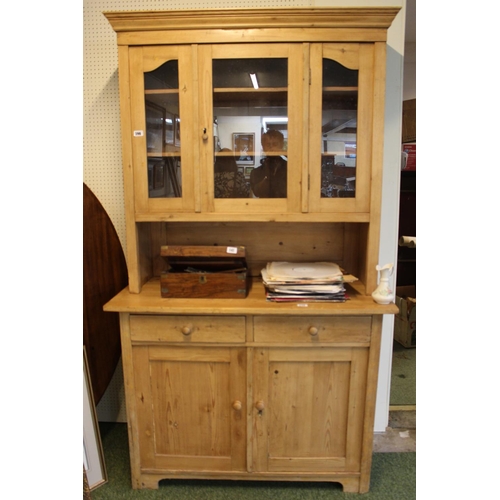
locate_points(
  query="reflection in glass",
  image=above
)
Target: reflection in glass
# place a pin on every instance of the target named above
(339, 131)
(244, 147)
(161, 88)
(270, 179)
(235, 73)
(249, 99)
(164, 178)
(229, 182)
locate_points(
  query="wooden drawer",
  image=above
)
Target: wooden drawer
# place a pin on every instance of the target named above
(312, 329)
(229, 329)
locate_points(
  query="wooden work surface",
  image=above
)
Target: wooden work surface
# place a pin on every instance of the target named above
(150, 301)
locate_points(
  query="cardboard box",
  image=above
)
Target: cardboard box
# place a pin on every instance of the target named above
(405, 322)
(204, 272)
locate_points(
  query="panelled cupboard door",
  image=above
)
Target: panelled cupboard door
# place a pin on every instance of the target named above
(308, 409)
(191, 407)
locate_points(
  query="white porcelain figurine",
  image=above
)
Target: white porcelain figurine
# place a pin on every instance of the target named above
(383, 294)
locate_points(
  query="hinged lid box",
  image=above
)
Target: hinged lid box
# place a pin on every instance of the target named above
(204, 272)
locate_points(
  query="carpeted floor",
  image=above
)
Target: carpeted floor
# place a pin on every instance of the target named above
(393, 478)
(403, 376)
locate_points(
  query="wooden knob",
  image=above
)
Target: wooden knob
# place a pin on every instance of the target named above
(313, 330)
(237, 405)
(205, 135)
(186, 330)
(259, 405)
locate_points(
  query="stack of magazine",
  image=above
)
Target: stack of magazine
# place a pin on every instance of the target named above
(305, 282)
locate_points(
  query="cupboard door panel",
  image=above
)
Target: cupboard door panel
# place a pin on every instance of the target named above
(311, 408)
(191, 409)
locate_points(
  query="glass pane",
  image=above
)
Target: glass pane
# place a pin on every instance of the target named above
(163, 131)
(250, 127)
(339, 131)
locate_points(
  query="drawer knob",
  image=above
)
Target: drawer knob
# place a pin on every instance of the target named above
(259, 405)
(313, 330)
(237, 405)
(186, 330)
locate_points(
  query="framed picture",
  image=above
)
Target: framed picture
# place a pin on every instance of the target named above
(93, 456)
(244, 148)
(177, 131)
(155, 124)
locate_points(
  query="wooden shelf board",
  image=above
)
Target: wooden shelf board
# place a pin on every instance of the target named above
(149, 301)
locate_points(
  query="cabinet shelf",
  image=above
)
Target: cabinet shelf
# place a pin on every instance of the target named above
(161, 92)
(246, 215)
(149, 301)
(249, 91)
(351, 90)
(165, 154)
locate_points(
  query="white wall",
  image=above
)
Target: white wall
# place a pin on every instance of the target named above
(102, 143)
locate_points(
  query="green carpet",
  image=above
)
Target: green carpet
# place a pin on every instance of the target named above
(403, 376)
(393, 478)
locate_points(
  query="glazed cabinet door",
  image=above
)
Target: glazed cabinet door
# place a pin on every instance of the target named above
(198, 115)
(191, 407)
(308, 408)
(252, 101)
(257, 128)
(162, 110)
(341, 127)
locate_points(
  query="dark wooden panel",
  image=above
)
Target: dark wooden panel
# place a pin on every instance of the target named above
(104, 275)
(409, 127)
(407, 257)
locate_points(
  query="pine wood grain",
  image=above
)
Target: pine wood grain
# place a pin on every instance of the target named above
(246, 388)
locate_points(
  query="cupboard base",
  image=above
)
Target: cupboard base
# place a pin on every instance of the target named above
(351, 483)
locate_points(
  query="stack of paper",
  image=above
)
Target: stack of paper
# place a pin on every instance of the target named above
(305, 282)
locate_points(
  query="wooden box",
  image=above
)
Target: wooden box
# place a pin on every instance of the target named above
(204, 272)
(405, 322)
